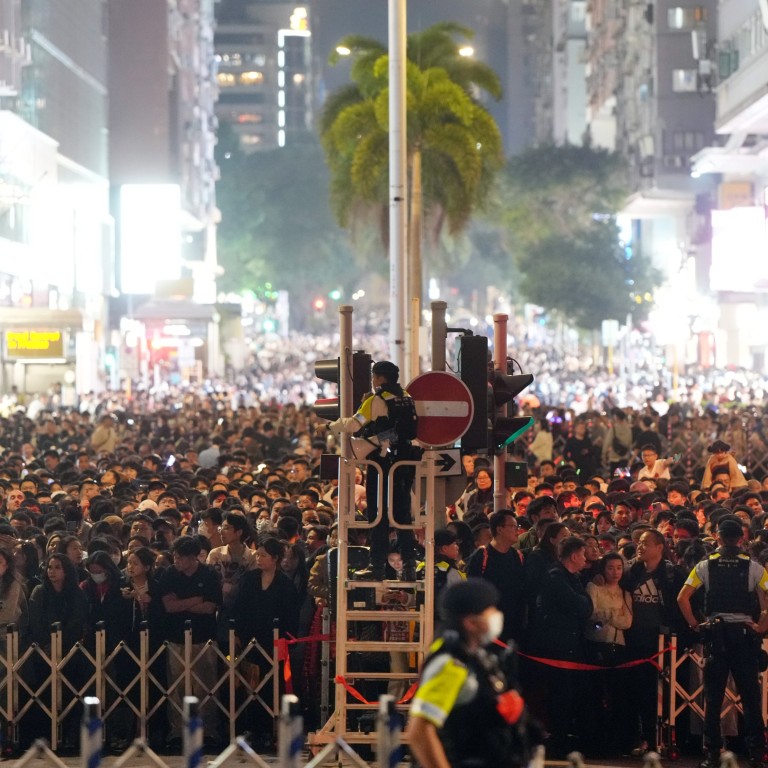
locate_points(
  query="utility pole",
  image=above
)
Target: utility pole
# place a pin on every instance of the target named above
(398, 185)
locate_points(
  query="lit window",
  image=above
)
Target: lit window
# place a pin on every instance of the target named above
(684, 80)
(225, 79)
(251, 78)
(685, 18)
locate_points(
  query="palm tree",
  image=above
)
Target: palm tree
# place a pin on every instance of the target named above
(454, 145)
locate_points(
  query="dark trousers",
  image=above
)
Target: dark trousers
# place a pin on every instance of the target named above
(732, 648)
(401, 510)
(641, 704)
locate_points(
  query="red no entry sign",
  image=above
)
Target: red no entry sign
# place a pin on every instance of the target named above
(444, 405)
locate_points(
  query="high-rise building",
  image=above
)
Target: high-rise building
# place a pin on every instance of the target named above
(736, 163)
(162, 126)
(264, 71)
(55, 226)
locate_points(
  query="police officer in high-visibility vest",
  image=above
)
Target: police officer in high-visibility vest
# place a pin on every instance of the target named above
(466, 712)
(732, 637)
(382, 429)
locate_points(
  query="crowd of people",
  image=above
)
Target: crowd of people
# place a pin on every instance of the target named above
(205, 505)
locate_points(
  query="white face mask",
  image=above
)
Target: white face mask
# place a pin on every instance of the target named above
(495, 627)
(262, 524)
(99, 578)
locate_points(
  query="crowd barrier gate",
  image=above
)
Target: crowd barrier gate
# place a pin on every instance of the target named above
(37, 677)
(681, 689)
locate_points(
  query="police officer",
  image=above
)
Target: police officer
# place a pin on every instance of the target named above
(383, 428)
(466, 711)
(732, 639)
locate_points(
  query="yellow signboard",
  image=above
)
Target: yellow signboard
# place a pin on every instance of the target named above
(37, 345)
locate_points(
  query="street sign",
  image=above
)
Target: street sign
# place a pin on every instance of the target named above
(444, 405)
(447, 462)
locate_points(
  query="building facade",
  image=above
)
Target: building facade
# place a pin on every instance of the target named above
(162, 123)
(264, 72)
(55, 225)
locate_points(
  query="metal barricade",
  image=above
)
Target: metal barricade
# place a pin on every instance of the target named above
(50, 685)
(685, 695)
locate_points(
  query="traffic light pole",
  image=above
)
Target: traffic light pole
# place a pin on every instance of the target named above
(500, 364)
(439, 335)
(398, 190)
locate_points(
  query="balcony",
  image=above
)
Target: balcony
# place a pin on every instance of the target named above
(742, 99)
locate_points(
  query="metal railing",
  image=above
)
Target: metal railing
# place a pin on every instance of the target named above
(51, 683)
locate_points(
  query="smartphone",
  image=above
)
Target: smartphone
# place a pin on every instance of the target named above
(171, 461)
(622, 472)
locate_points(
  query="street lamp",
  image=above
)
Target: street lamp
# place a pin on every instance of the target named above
(467, 51)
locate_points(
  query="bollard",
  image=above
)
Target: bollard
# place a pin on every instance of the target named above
(91, 733)
(193, 733)
(290, 735)
(652, 760)
(388, 733)
(538, 757)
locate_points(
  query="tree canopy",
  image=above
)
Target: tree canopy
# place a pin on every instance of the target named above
(277, 225)
(557, 206)
(453, 143)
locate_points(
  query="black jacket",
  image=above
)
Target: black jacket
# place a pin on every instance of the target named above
(563, 608)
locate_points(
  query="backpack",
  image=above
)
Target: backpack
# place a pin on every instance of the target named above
(403, 420)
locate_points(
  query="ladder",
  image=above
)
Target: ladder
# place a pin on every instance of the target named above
(345, 720)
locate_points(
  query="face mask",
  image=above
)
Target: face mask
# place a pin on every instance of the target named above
(99, 578)
(495, 626)
(261, 524)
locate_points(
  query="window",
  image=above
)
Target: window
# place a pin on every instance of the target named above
(251, 78)
(684, 80)
(685, 18)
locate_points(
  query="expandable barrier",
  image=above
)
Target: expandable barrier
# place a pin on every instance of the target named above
(682, 686)
(49, 685)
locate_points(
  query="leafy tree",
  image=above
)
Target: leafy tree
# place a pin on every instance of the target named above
(275, 226)
(551, 190)
(454, 146)
(585, 276)
(556, 205)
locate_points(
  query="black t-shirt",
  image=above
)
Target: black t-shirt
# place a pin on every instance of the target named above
(505, 571)
(204, 583)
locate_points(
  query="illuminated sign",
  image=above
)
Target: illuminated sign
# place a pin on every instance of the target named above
(34, 345)
(150, 236)
(739, 250)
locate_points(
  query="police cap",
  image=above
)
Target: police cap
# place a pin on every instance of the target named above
(469, 598)
(729, 528)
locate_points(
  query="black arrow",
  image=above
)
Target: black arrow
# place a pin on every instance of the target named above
(446, 461)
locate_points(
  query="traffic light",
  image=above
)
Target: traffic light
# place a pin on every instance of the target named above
(329, 370)
(361, 378)
(473, 371)
(327, 407)
(505, 429)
